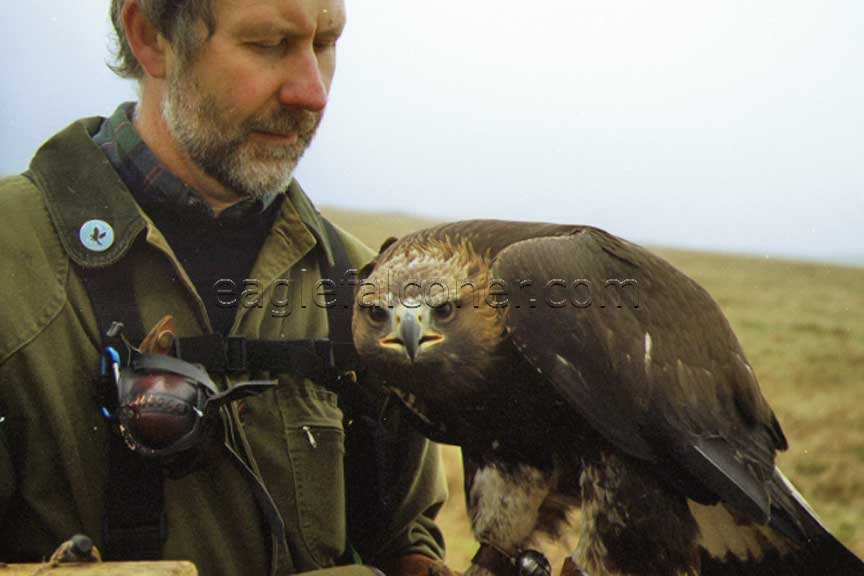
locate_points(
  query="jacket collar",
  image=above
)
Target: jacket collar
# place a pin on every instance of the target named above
(81, 186)
(310, 216)
(83, 192)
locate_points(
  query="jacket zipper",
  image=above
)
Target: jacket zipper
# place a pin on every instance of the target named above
(312, 441)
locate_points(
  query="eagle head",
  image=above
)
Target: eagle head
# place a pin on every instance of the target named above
(420, 314)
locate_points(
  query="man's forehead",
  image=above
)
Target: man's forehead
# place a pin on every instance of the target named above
(297, 15)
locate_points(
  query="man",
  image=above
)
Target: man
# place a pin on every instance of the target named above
(190, 186)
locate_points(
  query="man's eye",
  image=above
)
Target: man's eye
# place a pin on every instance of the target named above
(325, 44)
(266, 45)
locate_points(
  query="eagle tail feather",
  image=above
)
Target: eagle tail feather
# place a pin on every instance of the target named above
(793, 543)
(815, 548)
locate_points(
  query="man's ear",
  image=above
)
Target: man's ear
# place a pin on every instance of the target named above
(148, 45)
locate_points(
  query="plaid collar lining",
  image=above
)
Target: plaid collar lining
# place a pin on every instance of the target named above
(148, 179)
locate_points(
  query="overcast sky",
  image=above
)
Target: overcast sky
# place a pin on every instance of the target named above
(733, 124)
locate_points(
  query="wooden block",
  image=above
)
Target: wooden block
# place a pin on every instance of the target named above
(101, 569)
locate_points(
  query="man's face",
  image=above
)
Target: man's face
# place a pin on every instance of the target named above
(246, 105)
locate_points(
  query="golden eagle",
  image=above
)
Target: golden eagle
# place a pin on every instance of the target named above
(578, 370)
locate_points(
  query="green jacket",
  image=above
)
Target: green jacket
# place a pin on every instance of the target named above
(53, 440)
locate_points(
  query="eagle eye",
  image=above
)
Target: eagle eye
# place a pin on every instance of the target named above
(378, 314)
(444, 312)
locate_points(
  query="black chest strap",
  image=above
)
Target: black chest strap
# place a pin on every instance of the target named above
(133, 525)
(342, 353)
(369, 446)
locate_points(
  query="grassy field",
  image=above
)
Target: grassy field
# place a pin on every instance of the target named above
(802, 327)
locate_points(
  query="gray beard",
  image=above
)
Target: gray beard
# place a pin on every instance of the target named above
(225, 152)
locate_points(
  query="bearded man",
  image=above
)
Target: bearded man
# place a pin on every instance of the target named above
(153, 212)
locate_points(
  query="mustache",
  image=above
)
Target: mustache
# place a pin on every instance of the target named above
(286, 121)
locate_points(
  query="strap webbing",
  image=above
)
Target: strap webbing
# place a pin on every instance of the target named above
(236, 355)
(368, 456)
(133, 526)
(339, 316)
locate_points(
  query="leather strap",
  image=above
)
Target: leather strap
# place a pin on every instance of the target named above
(495, 561)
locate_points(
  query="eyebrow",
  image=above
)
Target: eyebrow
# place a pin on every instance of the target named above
(267, 28)
(332, 28)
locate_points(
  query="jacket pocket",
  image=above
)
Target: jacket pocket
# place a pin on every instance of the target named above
(316, 445)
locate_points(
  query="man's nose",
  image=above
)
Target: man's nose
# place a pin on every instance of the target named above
(304, 85)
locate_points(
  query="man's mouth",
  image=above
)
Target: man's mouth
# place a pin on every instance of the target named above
(283, 138)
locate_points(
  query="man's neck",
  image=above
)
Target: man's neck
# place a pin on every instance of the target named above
(154, 132)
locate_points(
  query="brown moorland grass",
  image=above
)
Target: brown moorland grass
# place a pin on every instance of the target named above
(802, 327)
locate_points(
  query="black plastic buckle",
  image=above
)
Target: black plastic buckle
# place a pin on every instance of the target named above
(324, 350)
(235, 355)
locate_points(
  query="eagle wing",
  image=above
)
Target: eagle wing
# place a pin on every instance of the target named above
(665, 382)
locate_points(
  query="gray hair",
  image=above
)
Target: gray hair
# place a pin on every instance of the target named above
(176, 20)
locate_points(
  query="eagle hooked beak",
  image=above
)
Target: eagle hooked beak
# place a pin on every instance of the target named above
(411, 333)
